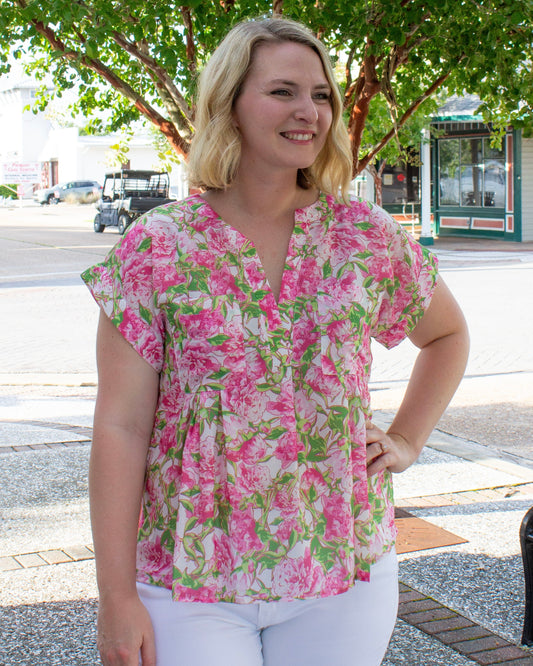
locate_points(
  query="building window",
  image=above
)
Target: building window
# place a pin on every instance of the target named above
(472, 173)
(401, 184)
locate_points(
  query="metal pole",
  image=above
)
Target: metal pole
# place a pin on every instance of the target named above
(426, 237)
(526, 546)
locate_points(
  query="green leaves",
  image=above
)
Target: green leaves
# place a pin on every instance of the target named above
(337, 417)
(318, 449)
(153, 50)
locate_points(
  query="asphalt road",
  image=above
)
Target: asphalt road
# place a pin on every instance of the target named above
(47, 340)
(44, 245)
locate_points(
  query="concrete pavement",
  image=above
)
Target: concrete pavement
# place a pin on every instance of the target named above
(461, 604)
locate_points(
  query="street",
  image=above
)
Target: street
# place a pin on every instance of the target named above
(42, 253)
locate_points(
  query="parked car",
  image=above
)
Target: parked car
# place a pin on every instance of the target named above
(75, 191)
(127, 194)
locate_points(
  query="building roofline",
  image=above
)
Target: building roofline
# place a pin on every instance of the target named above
(465, 118)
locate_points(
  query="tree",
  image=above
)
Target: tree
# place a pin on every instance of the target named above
(393, 54)
(401, 148)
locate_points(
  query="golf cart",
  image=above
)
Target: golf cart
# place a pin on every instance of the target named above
(127, 194)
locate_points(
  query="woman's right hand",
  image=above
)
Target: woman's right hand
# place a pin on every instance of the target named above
(125, 633)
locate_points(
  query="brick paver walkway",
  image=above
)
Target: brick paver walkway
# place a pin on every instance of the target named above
(458, 632)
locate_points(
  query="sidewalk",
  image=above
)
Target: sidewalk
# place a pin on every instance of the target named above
(460, 603)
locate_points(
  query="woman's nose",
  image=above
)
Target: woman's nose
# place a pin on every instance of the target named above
(307, 110)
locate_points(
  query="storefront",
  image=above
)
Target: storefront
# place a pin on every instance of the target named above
(476, 183)
(479, 188)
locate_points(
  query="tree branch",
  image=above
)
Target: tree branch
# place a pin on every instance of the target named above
(388, 93)
(367, 87)
(167, 128)
(376, 18)
(348, 70)
(227, 5)
(190, 45)
(367, 159)
(165, 85)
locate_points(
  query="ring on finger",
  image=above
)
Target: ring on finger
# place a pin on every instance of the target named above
(384, 448)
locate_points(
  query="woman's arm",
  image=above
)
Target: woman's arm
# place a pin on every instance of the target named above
(442, 337)
(123, 420)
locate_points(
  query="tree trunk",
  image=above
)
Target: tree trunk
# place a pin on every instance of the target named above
(378, 189)
(377, 176)
(364, 90)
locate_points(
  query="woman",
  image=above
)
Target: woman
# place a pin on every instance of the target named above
(233, 407)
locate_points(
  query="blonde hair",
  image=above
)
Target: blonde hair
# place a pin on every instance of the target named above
(216, 146)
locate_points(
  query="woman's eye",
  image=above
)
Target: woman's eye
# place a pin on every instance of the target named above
(281, 92)
(323, 96)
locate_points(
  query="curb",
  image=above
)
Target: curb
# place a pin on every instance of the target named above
(46, 557)
(84, 380)
(458, 632)
(468, 449)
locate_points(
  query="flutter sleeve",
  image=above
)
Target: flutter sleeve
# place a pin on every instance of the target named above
(123, 286)
(411, 278)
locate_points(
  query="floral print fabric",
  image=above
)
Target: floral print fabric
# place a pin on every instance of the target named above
(256, 485)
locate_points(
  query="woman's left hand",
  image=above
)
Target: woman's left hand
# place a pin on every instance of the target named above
(387, 450)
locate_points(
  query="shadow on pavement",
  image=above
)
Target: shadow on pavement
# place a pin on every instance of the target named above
(54, 633)
(506, 426)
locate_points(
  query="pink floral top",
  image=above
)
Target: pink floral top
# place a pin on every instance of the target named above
(256, 484)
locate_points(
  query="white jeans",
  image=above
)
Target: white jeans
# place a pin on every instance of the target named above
(349, 629)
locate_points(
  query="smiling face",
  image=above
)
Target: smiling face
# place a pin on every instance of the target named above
(283, 112)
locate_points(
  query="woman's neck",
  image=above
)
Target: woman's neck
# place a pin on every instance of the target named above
(270, 197)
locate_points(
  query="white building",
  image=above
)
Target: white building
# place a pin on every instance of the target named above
(63, 155)
(22, 133)
(68, 156)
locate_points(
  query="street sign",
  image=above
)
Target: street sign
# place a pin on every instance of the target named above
(20, 172)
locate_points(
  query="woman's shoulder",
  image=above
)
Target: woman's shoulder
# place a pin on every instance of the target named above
(363, 214)
(172, 218)
(172, 212)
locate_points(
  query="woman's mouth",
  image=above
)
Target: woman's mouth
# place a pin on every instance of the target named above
(298, 136)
